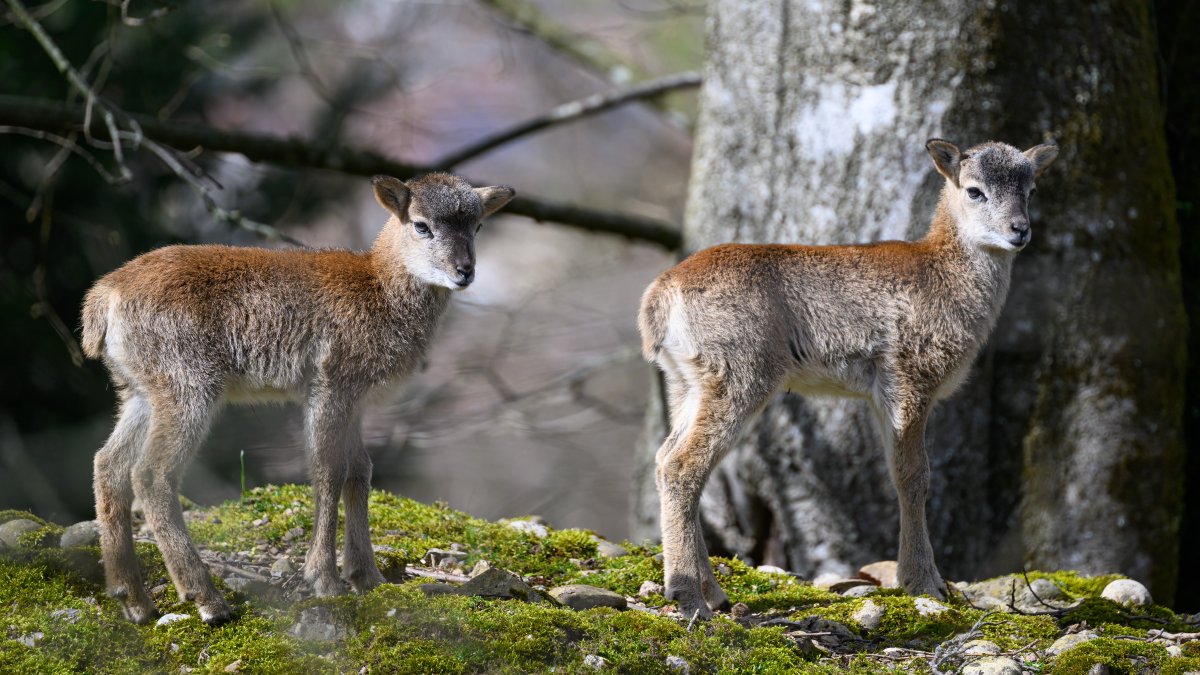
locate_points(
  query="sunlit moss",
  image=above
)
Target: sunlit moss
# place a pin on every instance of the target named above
(396, 628)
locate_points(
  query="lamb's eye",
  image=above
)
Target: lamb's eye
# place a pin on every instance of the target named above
(421, 228)
(975, 193)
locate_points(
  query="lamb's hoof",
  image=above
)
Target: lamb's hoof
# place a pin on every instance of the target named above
(690, 602)
(137, 606)
(364, 580)
(328, 585)
(716, 598)
(214, 612)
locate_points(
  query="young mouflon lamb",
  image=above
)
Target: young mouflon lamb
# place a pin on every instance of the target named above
(186, 329)
(897, 323)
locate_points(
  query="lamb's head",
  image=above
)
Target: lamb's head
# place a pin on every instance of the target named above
(438, 215)
(988, 189)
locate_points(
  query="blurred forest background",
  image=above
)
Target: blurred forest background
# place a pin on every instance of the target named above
(1076, 443)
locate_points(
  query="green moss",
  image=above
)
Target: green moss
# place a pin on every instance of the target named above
(1077, 585)
(396, 628)
(13, 514)
(1122, 656)
(1099, 612)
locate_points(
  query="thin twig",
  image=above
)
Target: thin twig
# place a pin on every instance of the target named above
(299, 54)
(168, 157)
(691, 623)
(73, 77)
(572, 111)
(54, 116)
(67, 144)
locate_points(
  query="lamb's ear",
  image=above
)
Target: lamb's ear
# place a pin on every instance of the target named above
(1042, 156)
(392, 194)
(494, 197)
(946, 157)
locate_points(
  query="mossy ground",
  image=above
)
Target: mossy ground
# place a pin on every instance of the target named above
(396, 628)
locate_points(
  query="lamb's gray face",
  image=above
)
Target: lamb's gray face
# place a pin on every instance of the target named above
(439, 214)
(443, 216)
(989, 188)
(995, 183)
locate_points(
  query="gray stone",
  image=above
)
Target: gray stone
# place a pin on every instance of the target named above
(992, 665)
(31, 639)
(282, 568)
(607, 549)
(84, 533)
(678, 664)
(1045, 589)
(581, 596)
(860, 591)
(498, 583)
(234, 667)
(869, 615)
(442, 558)
(593, 661)
(1127, 592)
(168, 619)
(1068, 642)
(929, 607)
(479, 568)
(69, 615)
(316, 624)
(530, 527)
(649, 588)
(1012, 589)
(433, 589)
(10, 531)
(771, 569)
(981, 648)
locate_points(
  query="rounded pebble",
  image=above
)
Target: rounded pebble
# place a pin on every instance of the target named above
(992, 665)
(84, 533)
(13, 529)
(1127, 592)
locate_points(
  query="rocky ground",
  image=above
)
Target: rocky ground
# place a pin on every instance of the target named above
(519, 596)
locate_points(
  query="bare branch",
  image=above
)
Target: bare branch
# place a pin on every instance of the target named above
(58, 117)
(73, 77)
(575, 110)
(525, 17)
(68, 144)
(299, 54)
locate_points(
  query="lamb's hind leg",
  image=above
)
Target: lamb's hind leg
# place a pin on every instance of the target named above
(112, 483)
(718, 410)
(179, 422)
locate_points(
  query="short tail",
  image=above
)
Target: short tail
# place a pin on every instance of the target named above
(95, 321)
(652, 319)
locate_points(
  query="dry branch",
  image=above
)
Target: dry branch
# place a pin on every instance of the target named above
(57, 117)
(575, 110)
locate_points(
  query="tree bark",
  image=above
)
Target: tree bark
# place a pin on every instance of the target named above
(1063, 450)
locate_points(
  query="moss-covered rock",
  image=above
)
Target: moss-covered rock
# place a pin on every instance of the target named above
(57, 618)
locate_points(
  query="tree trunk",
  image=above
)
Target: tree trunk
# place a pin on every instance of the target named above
(1063, 450)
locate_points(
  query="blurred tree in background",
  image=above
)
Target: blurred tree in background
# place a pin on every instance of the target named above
(1065, 448)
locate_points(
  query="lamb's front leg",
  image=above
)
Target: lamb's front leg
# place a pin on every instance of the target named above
(329, 425)
(909, 466)
(358, 556)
